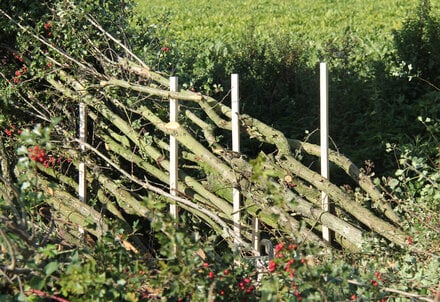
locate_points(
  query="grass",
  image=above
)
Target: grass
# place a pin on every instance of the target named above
(312, 21)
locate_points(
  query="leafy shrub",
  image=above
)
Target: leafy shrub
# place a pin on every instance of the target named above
(190, 263)
(417, 43)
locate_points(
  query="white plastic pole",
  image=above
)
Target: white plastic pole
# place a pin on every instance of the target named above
(82, 180)
(236, 148)
(256, 236)
(324, 140)
(173, 147)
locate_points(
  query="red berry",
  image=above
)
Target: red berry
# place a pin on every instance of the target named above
(272, 266)
(292, 246)
(250, 289)
(279, 247)
(19, 58)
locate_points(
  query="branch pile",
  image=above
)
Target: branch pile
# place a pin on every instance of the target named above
(127, 154)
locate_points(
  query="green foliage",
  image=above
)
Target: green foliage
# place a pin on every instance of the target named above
(415, 185)
(275, 48)
(418, 42)
(277, 68)
(415, 190)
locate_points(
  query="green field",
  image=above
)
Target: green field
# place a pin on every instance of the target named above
(313, 22)
(276, 46)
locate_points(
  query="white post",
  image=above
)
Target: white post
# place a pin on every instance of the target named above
(235, 147)
(324, 140)
(173, 147)
(256, 236)
(82, 180)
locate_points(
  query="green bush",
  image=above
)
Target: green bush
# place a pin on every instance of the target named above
(188, 262)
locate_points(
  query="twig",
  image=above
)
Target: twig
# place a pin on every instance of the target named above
(40, 293)
(396, 291)
(11, 266)
(95, 23)
(437, 294)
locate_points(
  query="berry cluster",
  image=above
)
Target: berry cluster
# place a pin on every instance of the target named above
(47, 27)
(19, 73)
(285, 265)
(38, 154)
(243, 287)
(10, 131)
(375, 282)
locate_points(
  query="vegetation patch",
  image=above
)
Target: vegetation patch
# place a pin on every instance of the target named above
(121, 243)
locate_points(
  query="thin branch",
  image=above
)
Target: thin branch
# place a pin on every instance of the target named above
(42, 40)
(428, 82)
(11, 250)
(395, 291)
(95, 23)
(165, 94)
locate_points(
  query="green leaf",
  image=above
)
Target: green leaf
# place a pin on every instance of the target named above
(37, 283)
(50, 268)
(393, 183)
(399, 172)
(121, 282)
(22, 297)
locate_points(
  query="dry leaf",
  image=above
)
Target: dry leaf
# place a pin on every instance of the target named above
(129, 247)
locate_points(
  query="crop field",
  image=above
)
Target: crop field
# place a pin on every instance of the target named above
(276, 47)
(311, 22)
